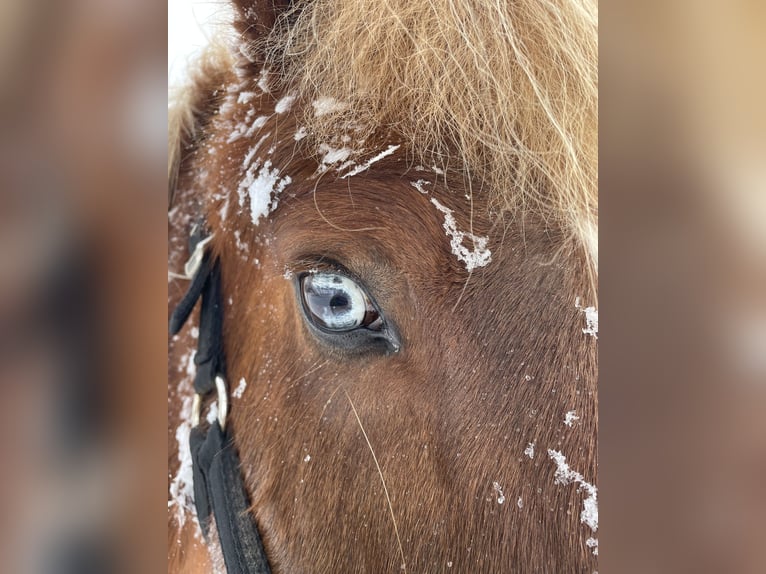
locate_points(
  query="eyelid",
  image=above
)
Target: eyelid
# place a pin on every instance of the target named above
(322, 264)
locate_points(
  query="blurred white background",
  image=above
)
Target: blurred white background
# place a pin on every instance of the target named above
(190, 23)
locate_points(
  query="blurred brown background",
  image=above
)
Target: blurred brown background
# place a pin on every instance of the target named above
(83, 286)
(682, 381)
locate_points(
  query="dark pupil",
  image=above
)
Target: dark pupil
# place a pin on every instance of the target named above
(339, 300)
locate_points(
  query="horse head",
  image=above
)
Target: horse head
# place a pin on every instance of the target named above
(400, 200)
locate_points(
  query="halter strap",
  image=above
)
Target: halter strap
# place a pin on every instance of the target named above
(218, 486)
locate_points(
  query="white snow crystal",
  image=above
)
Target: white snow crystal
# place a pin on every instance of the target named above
(565, 475)
(530, 450)
(520, 503)
(243, 130)
(300, 134)
(263, 81)
(251, 153)
(284, 104)
(262, 189)
(419, 185)
(499, 491)
(307, 458)
(332, 155)
(237, 393)
(591, 319)
(212, 413)
(479, 256)
(570, 417)
(366, 165)
(592, 543)
(325, 105)
(182, 484)
(245, 97)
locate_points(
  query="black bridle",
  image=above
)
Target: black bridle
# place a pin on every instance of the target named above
(219, 491)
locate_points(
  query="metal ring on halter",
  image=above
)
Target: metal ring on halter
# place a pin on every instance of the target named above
(195, 259)
(223, 404)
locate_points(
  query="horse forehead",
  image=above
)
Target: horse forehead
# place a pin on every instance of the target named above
(367, 195)
(261, 157)
(255, 129)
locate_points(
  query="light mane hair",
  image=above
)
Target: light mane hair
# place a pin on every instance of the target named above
(504, 91)
(191, 102)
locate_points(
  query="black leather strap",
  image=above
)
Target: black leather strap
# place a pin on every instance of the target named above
(209, 357)
(218, 486)
(189, 300)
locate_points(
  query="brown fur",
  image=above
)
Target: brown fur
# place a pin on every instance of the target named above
(191, 106)
(490, 362)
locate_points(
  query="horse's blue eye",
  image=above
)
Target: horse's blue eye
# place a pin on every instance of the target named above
(337, 303)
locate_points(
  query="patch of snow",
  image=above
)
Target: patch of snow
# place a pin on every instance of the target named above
(251, 154)
(257, 124)
(366, 165)
(591, 319)
(530, 450)
(241, 386)
(245, 97)
(212, 412)
(592, 543)
(499, 491)
(263, 81)
(520, 503)
(479, 256)
(262, 189)
(419, 185)
(565, 475)
(300, 134)
(307, 458)
(332, 155)
(570, 417)
(325, 105)
(243, 130)
(437, 171)
(284, 104)
(182, 485)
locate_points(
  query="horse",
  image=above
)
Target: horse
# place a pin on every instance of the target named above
(395, 204)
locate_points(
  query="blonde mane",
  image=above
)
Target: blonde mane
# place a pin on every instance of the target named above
(505, 91)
